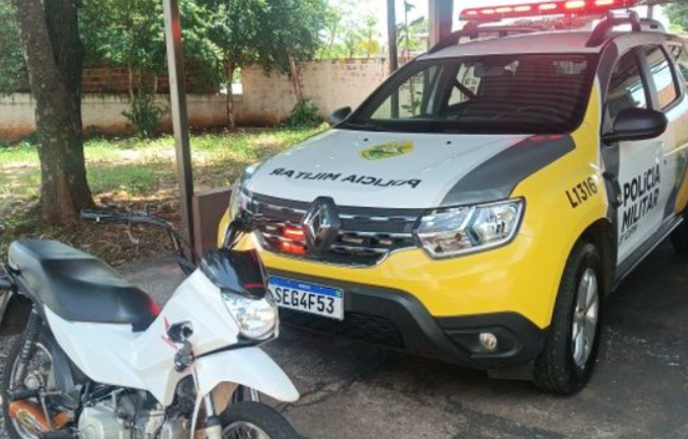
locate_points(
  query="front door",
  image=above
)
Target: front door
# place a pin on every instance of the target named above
(640, 162)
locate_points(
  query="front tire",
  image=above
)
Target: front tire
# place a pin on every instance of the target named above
(570, 353)
(253, 420)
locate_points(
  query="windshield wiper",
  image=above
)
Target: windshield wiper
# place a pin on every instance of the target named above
(361, 126)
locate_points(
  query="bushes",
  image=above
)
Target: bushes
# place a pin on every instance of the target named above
(304, 115)
(145, 115)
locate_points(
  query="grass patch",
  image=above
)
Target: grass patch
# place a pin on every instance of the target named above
(129, 174)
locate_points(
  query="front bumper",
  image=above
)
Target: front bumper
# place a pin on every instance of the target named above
(397, 320)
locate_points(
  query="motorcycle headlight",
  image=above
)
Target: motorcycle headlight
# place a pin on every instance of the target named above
(257, 318)
(460, 230)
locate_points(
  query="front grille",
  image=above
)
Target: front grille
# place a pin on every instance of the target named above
(367, 235)
(361, 327)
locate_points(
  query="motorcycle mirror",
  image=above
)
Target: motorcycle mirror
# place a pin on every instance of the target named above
(180, 332)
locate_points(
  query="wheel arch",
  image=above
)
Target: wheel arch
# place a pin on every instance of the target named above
(601, 235)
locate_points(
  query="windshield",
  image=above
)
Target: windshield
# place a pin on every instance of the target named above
(498, 94)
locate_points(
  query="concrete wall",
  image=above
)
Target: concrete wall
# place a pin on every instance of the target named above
(330, 84)
(266, 100)
(104, 113)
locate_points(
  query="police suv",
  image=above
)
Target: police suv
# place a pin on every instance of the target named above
(481, 203)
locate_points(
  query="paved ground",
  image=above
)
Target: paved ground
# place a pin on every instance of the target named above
(640, 389)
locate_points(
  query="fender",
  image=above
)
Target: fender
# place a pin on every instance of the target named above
(250, 367)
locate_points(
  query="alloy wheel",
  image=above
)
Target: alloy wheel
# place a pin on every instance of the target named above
(585, 317)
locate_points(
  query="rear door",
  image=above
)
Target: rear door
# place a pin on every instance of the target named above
(668, 97)
(677, 133)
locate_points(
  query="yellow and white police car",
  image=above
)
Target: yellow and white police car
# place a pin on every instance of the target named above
(480, 204)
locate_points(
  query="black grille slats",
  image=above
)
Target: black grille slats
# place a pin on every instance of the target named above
(368, 235)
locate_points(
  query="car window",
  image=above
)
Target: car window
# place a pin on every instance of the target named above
(662, 75)
(678, 53)
(413, 98)
(626, 88)
(492, 94)
(469, 81)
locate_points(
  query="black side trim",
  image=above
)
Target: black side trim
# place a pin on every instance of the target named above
(497, 177)
(646, 248)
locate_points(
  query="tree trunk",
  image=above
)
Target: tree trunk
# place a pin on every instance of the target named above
(295, 75)
(229, 75)
(50, 37)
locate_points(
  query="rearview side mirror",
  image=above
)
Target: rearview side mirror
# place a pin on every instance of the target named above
(637, 124)
(338, 115)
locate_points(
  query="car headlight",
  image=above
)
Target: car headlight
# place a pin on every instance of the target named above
(460, 230)
(238, 200)
(257, 318)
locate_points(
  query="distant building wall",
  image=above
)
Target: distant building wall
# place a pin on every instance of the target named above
(267, 98)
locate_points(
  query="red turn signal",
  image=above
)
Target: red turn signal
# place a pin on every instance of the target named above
(292, 248)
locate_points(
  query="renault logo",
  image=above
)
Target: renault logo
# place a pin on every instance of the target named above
(321, 225)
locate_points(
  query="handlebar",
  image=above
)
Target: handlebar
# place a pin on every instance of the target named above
(178, 242)
(239, 226)
(124, 218)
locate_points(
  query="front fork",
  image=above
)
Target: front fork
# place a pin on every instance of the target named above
(213, 425)
(183, 359)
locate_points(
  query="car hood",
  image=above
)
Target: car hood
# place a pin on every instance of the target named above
(395, 170)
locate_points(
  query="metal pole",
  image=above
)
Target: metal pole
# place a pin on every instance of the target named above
(392, 36)
(651, 11)
(180, 119)
(441, 19)
(393, 51)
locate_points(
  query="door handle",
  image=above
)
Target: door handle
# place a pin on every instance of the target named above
(613, 188)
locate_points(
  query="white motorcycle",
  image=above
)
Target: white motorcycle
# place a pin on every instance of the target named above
(98, 359)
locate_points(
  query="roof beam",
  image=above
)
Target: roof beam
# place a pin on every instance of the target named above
(441, 19)
(392, 36)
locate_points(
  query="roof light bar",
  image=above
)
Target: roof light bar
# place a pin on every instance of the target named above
(577, 7)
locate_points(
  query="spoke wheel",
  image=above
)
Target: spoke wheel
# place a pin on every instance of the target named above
(585, 317)
(39, 373)
(253, 420)
(244, 430)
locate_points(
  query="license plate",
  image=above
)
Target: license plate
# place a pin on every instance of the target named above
(308, 297)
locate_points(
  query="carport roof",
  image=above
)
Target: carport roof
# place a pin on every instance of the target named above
(538, 42)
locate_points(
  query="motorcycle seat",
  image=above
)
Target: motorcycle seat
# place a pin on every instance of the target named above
(79, 287)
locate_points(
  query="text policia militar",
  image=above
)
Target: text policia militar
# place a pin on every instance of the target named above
(640, 196)
(366, 180)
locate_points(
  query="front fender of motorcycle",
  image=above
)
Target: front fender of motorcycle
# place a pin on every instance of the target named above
(250, 367)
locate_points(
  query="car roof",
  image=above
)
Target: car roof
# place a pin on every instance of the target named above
(530, 43)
